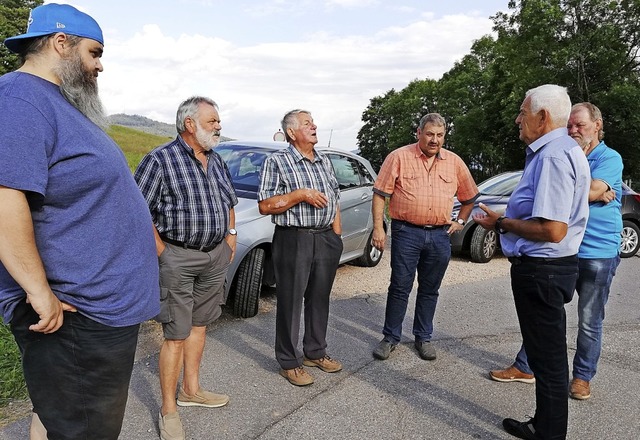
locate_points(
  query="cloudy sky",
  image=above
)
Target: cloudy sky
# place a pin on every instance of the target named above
(261, 58)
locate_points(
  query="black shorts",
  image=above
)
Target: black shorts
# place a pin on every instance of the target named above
(77, 377)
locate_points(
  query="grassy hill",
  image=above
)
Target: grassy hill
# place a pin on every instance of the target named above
(135, 143)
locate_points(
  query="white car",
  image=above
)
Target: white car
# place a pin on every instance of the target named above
(252, 267)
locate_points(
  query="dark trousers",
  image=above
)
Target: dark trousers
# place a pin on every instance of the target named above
(305, 263)
(77, 377)
(540, 291)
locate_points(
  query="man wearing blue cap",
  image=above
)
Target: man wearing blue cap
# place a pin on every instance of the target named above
(78, 267)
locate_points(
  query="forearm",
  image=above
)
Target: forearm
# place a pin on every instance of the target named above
(377, 211)
(465, 211)
(536, 229)
(18, 251)
(279, 204)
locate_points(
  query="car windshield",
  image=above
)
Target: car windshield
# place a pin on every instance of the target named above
(500, 185)
(244, 166)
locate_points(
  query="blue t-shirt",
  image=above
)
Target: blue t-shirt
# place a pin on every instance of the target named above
(92, 226)
(602, 236)
(554, 186)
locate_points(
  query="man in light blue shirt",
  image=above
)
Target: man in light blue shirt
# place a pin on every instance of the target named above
(542, 229)
(598, 255)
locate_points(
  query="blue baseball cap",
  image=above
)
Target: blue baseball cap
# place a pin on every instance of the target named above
(52, 18)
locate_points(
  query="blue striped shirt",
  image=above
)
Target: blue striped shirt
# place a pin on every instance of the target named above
(287, 170)
(186, 204)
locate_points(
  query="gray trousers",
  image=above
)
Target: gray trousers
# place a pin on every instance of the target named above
(305, 262)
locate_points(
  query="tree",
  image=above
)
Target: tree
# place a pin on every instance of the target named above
(13, 21)
(391, 121)
(589, 46)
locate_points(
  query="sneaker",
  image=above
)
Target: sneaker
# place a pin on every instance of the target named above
(511, 374)
(297, 376)
(170, 427)
(325, 363)
(202, 398)
(524, 430)
(383, 350)
(426, 350)
(580, 389)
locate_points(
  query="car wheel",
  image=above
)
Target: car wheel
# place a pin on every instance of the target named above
(249, 284)
(371, 256)
(483, 244)
(630, 239)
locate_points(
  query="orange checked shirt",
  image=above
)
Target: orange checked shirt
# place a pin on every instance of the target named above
(420, 195)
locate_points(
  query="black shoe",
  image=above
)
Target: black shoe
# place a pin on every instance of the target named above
(425, 350)
(383, 350)
(524, 430)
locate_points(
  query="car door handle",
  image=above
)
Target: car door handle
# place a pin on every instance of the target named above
(364, 196)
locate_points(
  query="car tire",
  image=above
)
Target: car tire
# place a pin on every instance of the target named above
(371, 256)
(630, 239)
(484, 243)
(248, 284)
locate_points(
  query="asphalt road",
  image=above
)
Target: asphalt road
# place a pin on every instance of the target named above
(404, 397)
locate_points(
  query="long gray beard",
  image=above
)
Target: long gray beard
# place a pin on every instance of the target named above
(80, 88)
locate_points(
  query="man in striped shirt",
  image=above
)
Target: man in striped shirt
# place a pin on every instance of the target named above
(191, 198)
(299, 189)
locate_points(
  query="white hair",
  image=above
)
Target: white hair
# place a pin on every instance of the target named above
(552, 98)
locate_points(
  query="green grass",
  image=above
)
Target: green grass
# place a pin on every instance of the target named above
(11, 379)
(134, 144)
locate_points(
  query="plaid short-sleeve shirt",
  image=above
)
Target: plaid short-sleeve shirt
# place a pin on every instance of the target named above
(420, 195)
(286, 171)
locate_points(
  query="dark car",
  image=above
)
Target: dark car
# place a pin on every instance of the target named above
(481, 244)
(251, 267)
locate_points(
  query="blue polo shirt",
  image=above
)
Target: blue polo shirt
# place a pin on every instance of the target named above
(554, 186)
(602, 236)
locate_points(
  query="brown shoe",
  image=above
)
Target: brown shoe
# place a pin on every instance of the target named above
(325, 363)
(511, 374)
(297, 376)
(580, 389)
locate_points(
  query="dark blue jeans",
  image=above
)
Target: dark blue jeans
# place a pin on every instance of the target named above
(77, 377)
(540, 291)
(594, 282)
(427, 252)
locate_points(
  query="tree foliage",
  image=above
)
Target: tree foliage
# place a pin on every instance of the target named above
(589, 46)
(13, 21)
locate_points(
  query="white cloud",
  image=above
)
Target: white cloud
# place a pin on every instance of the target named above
(333, 76)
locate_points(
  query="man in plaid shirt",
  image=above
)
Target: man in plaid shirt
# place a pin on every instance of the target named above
(298, 187)
(420, 180)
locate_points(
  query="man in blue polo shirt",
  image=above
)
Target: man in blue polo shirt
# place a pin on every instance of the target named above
(541, 238)
(78, 270)
(599, 253)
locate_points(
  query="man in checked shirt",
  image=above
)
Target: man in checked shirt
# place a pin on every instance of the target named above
(420, 179)
(191, 198)
(299, 189)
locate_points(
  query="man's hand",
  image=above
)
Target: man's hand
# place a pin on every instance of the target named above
(607, 196)
(315, 198)
(488, 219)
(379, 238)
(232, 241)
(49, 309)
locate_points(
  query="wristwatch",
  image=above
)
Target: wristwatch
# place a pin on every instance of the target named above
(461, 222)
(233, 231)
(499, 229)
